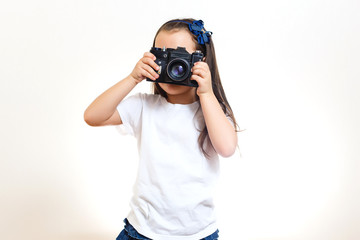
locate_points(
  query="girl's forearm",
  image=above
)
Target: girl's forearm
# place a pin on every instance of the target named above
(104, 106)
(222, 133)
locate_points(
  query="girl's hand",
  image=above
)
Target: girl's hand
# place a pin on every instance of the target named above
(201, 74)
(145, 68)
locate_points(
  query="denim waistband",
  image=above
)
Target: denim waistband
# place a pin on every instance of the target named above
(134, 234)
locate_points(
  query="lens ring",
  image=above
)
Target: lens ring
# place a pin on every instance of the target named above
(178, 69)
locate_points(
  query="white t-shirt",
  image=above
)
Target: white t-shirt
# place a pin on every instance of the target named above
(174, 187)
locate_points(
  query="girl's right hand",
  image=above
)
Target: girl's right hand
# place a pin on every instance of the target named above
(145, 68)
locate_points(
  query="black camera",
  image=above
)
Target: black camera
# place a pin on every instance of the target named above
(175, 65)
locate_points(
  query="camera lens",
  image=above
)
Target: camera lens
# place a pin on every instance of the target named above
(178, 69)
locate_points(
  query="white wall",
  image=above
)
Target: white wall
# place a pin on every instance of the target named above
(291, 73)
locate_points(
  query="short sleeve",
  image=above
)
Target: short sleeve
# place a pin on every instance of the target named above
(130, 110)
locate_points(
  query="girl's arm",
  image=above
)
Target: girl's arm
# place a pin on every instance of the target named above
(222, 133)
(102, 111)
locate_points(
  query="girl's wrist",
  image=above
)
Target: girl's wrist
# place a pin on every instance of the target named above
(206, 96)
(132, 79)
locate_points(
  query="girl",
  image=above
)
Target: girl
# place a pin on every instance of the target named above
(180, 130)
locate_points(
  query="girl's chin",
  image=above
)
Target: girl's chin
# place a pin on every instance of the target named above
(174, 89)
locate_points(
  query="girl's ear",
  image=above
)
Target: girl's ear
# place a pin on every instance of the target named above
(204, 58)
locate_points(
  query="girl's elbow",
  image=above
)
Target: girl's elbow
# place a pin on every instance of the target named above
(89, 119)
(227, 151)
(226, 148)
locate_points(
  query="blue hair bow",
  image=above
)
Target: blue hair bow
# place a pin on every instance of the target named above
(197, 28)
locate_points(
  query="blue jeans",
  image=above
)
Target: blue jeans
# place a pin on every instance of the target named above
(129, 233)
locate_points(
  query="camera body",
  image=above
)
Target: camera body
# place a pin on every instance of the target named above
(175, 65)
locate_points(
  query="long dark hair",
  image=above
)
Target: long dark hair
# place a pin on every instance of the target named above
(210, 58)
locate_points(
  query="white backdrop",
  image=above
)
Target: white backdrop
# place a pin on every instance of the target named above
(290, 69)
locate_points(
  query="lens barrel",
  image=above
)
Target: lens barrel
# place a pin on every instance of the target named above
(178, 69)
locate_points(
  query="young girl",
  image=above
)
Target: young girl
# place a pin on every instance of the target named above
(180, 130)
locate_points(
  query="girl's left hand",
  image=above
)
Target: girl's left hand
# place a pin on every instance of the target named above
(201, 74)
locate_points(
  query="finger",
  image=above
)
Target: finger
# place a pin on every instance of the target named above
(149, 55)
(149, 72)
(150, 62)
(197, 78)
(202, 65)
(199, 72)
